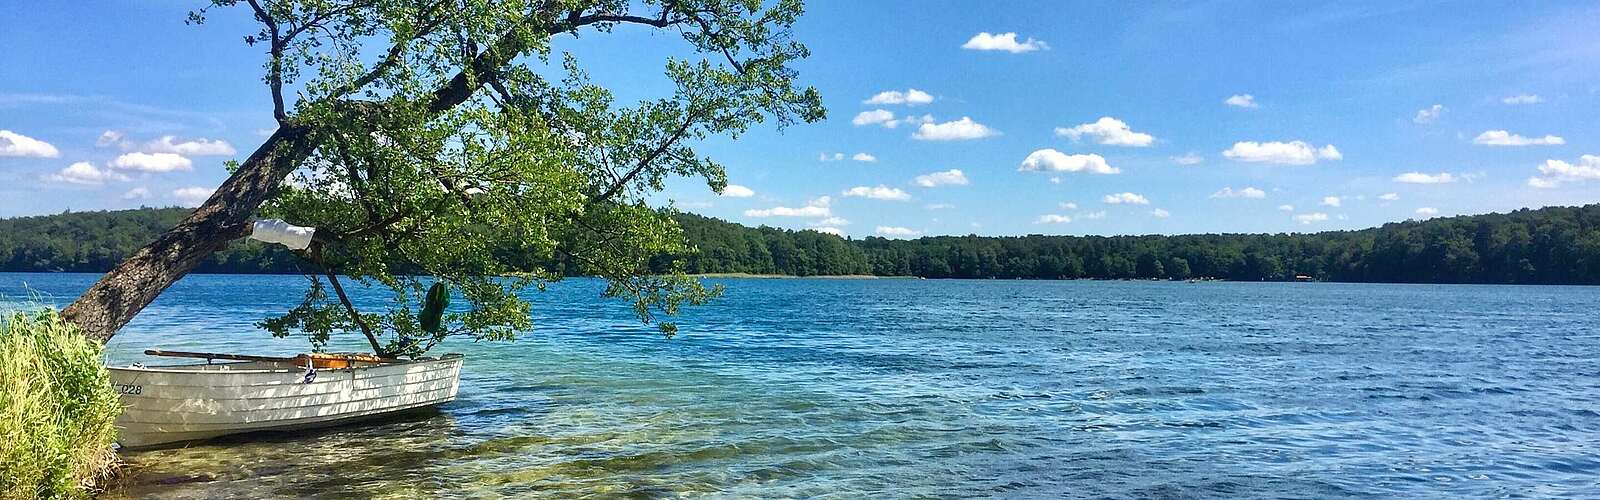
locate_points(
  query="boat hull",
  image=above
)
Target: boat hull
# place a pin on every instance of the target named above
(164, 405)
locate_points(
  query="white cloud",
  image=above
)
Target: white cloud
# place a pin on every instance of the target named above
(1282, 153)
(1504, 138)
(1160, 213)
(14, 144)
(882, 117)
(952, 177)
(830, 221)
(1429, 114)
(1190, 158)
(814, 208)
(197, 147)
(1125, 198)
(829, 230)
(1069, 206)
(937, 206)
(192, 196)
(1556, 172)
(152, 162)
(1247, 192)
(963, 129)
(85, 173)
(1423, 178)
(879, 192)
(1056, 161)
(1427, 211)
(1389, 196)
(1109, 131)
(138, 193)
(1094, 215)
(1522, 99)
(1311, 217)
(864, 157)
(1242, 101)
(737, 191)
(1003, 41)
(830, 157)
(1055, 180)
(1331, 201)
(894, 231)
(910, 97)
(110, 138)
(861, 157)
(1052, 219)
(1286, 208)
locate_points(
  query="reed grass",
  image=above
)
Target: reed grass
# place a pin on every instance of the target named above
(57, 409)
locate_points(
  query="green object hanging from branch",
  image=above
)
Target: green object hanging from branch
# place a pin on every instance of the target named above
(433, 307)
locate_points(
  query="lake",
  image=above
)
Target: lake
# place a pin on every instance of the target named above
(913, 388)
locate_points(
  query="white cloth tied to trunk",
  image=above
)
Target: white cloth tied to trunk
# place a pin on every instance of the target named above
(280, 232)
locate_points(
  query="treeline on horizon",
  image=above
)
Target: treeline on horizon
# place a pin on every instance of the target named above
(1554, 245)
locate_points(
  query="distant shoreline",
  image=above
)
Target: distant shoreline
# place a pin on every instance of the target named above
(791, 276)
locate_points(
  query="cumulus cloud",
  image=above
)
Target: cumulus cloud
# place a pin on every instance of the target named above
(1160, 213)
(1429, 114)
(1069, 206)
(1003, 41)
(1246, 192)
(737, 191)
(1331, 201)
(1125, 199)
(1427, 211)
(814, 208)
(1424, 178)
(1522, 99)
(111, 138)
(830, 221)
(1557, 172)
(1504, 138)
(873, 117)
(85, 173)
(1286, 208)
(1052, 219)
(864, 157)
(1281, 153)
(1311, 217)
(895, 231)
(1109, 131)
(1190, 158)
(138, 193)
(830, 157)
(1055, 161)
(1241, 101)
(18, 145)
(152, 162)
(879, 192)
(191, 196)
(1389, 196)
(196, 147)
(959, 130)
(952, 177)
(829, 230)
(910, 97)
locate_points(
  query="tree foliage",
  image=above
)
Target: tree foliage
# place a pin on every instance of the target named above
(418, 173)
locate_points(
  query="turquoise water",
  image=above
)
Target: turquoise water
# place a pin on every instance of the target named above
(907, 388)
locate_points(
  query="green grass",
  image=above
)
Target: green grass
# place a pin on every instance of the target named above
(56, 409)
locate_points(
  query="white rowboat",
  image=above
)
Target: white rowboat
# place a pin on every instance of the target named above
(169, 404)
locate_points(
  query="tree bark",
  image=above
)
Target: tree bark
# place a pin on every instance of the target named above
(138, 280)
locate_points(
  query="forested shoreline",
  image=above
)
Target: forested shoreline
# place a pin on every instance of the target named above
(1553, 245)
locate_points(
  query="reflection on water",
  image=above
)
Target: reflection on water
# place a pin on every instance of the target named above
(819, 388)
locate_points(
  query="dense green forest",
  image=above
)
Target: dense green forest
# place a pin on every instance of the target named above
(1549, 245)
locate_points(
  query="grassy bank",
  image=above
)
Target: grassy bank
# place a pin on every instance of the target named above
(56, 409)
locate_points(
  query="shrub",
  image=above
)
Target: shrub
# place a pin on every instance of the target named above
(57, 409)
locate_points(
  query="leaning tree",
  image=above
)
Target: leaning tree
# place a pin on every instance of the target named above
(449, 139)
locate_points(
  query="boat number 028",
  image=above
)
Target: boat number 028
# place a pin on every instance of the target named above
(128, 388)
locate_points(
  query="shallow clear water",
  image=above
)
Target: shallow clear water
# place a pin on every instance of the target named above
(907, 388)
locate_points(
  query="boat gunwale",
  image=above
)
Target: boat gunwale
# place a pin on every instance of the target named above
(297, 369)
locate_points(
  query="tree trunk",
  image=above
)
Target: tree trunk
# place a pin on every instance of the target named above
(226, 216)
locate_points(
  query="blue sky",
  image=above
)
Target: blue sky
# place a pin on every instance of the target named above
(1084, 118)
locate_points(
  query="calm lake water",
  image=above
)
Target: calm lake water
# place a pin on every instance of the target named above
(906, 388)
